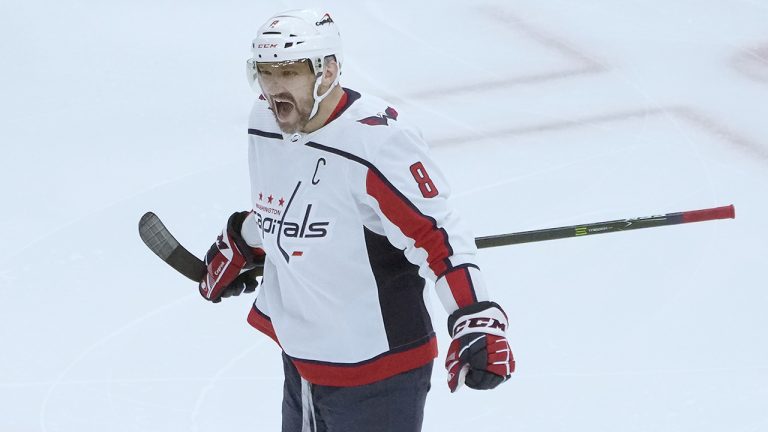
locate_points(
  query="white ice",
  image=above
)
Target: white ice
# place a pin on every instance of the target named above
(542, 113)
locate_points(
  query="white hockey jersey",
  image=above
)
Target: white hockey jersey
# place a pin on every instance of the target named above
(353, 218)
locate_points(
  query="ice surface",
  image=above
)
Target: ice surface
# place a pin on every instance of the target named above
(542, 113)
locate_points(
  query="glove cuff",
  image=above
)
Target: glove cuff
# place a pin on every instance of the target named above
(234, 229)
(481, 317)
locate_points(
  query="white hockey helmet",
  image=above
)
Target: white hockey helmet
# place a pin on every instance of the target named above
(297, 35)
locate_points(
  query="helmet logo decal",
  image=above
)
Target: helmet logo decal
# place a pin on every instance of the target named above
(326, 20)
(274, 23)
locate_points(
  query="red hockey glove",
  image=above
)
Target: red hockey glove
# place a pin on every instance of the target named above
(479, 355)
(230, 262)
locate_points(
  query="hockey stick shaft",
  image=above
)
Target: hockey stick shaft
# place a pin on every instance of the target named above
(160, 241)
(725, 212)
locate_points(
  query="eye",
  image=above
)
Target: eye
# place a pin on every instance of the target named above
(290, 73)
(264, 72)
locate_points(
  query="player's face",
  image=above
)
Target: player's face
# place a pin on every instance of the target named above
(288, 88)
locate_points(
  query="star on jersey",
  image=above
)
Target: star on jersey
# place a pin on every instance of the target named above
(271, 198)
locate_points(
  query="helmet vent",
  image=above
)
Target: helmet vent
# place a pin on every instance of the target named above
(288, 44)
(272, 32)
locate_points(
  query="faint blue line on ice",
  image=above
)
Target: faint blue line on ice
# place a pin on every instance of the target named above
(216, 378)
(129, 197)
(100, 342)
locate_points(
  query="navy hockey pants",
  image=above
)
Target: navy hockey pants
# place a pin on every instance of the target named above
(394, 404)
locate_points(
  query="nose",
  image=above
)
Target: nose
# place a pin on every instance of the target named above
(269, 85)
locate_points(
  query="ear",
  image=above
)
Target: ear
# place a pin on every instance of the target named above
(331, 70)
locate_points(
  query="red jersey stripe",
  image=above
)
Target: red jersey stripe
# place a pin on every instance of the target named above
(415, 225)
(460, 283)
(383, 367)
(262, 323)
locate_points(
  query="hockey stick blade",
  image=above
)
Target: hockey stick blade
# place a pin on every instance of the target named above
(160, 241)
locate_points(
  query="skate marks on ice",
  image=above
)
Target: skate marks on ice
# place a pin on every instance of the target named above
(753, 62)
(580, 63)
(498, 26)
(688, 115)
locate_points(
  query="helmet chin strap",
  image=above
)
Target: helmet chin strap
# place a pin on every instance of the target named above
(319, 98)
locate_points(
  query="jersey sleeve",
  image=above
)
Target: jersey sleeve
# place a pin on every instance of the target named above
(410, 195)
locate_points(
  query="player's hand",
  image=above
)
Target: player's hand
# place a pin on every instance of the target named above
(479, 355)
(243, 284)
(231, 263)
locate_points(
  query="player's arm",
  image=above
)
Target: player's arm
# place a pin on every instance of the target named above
(231, 259)
(410, 195)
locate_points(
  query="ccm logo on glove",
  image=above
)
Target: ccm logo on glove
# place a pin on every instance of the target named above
(480, 323)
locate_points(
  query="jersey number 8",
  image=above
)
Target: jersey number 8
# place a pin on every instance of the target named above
(426, 186)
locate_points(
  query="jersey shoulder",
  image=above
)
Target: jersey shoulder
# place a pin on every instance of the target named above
(376, 113)
(374, 124)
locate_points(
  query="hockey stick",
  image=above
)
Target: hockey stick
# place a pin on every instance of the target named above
(160, 241)
(726, 212)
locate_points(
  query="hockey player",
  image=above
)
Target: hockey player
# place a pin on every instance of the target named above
(351, 216)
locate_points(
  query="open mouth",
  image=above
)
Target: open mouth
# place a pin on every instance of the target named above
(283, 108)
